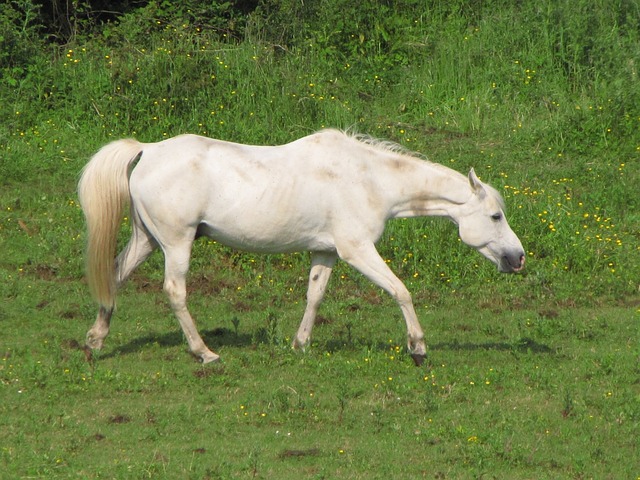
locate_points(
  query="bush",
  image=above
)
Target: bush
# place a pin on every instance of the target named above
(20, 41)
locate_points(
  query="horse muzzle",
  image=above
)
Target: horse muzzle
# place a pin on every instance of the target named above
(512, 263)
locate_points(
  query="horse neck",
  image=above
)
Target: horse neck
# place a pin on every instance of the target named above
(429, 189)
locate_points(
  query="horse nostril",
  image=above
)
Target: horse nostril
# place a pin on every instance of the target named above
(520, 264)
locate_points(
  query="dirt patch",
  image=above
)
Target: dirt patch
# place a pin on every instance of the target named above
(71, 344)
(42, 304)
(242, 307)
(70, 314)
(46, 272)
(119, 419)
(209, 371)
(309, 452)
(549, 313)
(201, 283)
(322, 320)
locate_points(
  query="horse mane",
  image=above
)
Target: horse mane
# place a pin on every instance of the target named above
(385, 145)
(395, 148)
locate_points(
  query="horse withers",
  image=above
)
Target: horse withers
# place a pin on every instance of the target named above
(329, 193)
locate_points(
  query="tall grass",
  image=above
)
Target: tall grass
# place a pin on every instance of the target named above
(538, 96)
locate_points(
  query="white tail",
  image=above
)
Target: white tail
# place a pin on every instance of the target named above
(103, 191)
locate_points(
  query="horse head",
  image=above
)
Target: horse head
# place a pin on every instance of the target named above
(482, 224)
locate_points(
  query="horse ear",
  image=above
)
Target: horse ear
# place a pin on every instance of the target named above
(476, 184)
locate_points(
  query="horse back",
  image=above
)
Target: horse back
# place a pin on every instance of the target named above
(291, 197)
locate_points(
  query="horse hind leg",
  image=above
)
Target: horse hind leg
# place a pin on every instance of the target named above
(321, 265)
(176, 268)
(137, 250)
(100, 329)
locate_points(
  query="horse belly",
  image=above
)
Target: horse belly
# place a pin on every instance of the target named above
(263, 237)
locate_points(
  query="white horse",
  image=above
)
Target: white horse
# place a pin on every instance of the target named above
(329, 193)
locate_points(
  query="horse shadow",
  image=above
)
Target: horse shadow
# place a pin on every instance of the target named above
(523, 345)
(225, 337)
(217, 337)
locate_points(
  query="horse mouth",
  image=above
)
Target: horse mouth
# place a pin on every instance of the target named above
(509, 264)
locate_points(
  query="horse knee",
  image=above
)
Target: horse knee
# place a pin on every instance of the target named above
(403, 297)
(177, 294)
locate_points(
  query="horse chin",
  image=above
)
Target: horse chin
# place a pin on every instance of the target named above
(519, 269)
(502, 268)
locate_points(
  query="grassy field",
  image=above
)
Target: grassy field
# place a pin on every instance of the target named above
(528, 376)
(528, 392)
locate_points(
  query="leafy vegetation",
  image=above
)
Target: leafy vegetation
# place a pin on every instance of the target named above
(534, 375)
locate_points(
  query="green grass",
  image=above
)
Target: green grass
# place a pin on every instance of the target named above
(527, 376)
(508, 392)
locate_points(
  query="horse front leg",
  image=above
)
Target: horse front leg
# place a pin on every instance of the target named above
(365, 258)
(321, 266)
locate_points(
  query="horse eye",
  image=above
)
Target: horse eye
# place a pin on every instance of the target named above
(496, 217)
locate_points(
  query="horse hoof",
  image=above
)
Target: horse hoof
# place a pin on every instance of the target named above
(209, 357)
(300, 346)
(93, 343)
(418, 358)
